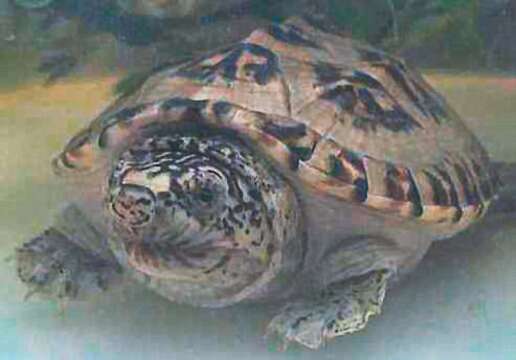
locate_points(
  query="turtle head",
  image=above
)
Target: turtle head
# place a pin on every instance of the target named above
(202, 209)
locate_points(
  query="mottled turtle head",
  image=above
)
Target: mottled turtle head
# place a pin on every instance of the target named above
(203, 209)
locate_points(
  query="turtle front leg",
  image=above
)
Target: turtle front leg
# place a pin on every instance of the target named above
(341, 309)
(355, 276)
(55, 264)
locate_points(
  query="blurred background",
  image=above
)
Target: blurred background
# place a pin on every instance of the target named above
(63, 61)
(59, 37)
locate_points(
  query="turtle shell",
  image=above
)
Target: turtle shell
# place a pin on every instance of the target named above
(350, 122)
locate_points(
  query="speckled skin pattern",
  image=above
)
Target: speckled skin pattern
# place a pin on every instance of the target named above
(295, 166)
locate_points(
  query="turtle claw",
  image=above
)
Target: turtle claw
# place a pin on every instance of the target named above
(56, 268)
(297, 325)
(341, 310)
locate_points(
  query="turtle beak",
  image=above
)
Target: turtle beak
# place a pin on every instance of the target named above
(133, 206)
(175, 260)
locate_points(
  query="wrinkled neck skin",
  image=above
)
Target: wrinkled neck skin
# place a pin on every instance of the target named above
(202, 220)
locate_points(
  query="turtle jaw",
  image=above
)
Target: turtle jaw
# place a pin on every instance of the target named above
(165, 261)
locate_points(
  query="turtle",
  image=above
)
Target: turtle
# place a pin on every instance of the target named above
(296, 166)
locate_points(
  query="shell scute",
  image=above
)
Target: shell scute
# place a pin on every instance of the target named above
(348, 120)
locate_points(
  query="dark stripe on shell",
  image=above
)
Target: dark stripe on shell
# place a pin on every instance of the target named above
(298, 153)
(467, 184)
(454, 198)
(395, 119)
(431, 103)
(284, 130)
(227, 68)
(372, 107)
(360, 183)
(263, 73)
(78, 140)
(178, 102)
(399, 120)
(362, 78)
(439, 194)
(414, 196)
(128, 113)
(361, 189)
(290, 34)
(123, 115)
(399, 78)
(343, 96)
(396, 181)
(326, 73)
(475, 180)
(336, 169)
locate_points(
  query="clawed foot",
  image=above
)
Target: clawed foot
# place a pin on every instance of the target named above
(341, 310)
(53, 266)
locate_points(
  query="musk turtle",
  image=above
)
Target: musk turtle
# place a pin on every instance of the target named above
(295, 166)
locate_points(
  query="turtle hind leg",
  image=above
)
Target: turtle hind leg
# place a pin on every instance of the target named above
(57, 266)
(341, 309)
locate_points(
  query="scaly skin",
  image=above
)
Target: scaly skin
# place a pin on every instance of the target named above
(55, 265)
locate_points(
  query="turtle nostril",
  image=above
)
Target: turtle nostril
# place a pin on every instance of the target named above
(133, 205)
